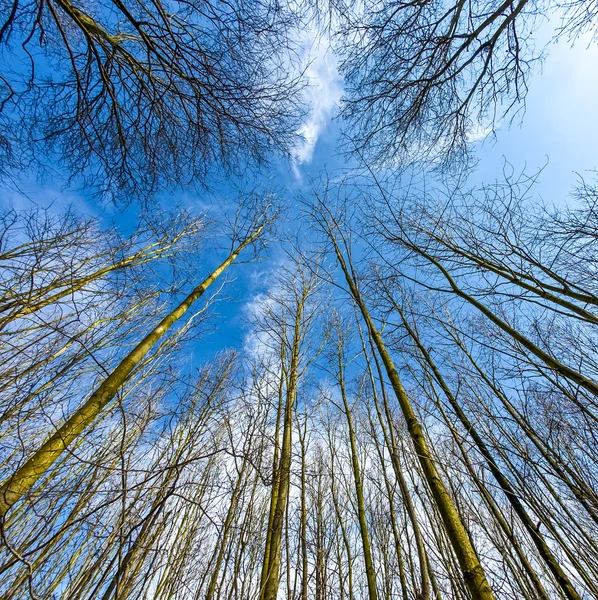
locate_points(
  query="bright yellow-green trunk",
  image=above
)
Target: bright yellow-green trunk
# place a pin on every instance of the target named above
(471, 568)
(27, 475)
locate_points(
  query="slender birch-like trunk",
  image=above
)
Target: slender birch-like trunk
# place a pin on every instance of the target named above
(270, 578)
(25, 477)
(469, 563)
(357, 477)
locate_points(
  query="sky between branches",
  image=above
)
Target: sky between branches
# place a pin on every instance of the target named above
(556, 132)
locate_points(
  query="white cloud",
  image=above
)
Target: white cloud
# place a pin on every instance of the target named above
(480, 132)
(322, 94)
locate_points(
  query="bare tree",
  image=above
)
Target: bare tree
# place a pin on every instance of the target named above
(286, 320)
(424, 78)
(139, 95)
(472, 570)
(247, 231)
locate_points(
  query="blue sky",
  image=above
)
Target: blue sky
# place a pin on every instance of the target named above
(558, 131)
(559, 125)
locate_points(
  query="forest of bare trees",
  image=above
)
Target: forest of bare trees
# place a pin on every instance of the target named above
(408, 404)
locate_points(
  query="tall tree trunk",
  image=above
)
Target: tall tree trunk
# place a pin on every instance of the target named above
(543, 548)
(370, 572)
(303, 522)
(339, 516)
(25, 477)
(271, 577)
(391, 443)
(471, 568)
(275, 474)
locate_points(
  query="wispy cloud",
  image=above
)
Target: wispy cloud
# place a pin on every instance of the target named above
(322, 95)
(479, 132)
